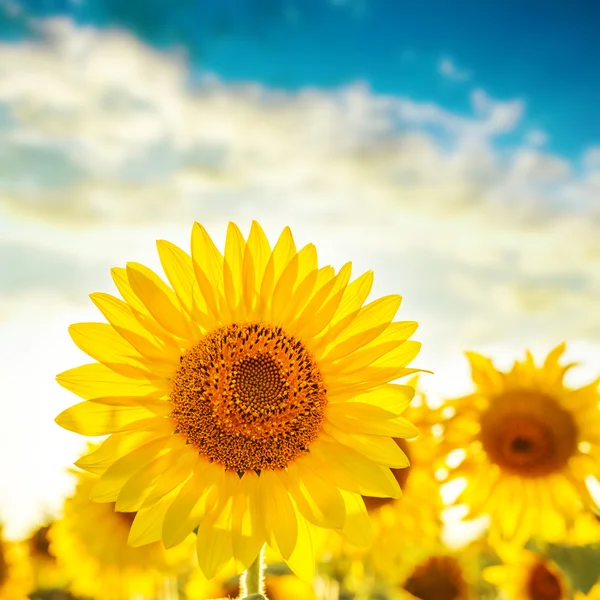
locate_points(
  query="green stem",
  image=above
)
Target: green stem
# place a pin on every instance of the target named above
(252, 580)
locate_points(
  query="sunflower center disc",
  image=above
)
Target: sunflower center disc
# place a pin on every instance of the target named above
(543, 585)
(249, 397)
(528, 433)
(439, 578)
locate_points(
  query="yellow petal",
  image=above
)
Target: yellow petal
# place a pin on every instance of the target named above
(159, 299)
(392, 397)
(158, 478)
(95, 380)
(318, 301)
(283, 251)
(370, 378)
(369, 323)
(120, 444)
(90, 418)
(246, 535)
(214, 545)
(195, 498)
(257, 254)
(302, 560)
(317, 499)
(300, 297)
(354, 472)
(358, 417)
(122, 318)
(108, 486)
(207, 257)
(483, 373)
(283, 290)
(354, 297)
(357, 529)
(179, 269)
(278, 513)
(155, 405)
(148, 522)
(394, 335)
(381, 449)
(323, 316)
(232, 269)
(103, 343)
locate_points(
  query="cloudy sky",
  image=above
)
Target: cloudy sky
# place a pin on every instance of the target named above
(457, 157)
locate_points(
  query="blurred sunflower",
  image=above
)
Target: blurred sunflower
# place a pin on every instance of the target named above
(530, 444)
(15, 575)
(527, 575)
(251, 399)
(46, 572)
(440, 574)
(90, 545)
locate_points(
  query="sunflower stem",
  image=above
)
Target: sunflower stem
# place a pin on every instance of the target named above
(252, 580)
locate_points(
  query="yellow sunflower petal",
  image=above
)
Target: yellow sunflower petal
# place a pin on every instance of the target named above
(246, 534)
(318, 499)
(191, 503)
(381, 449)
(232, 269)
(108, 486)
(119, 444)
(179, 269)
(90, 418)
(357, 528)
(159, 299)
(147, 523)
(161, 475)
(354, 472)
(96, 380)
(302, 559)
(122, 318)
(369, 323)
(358, 417)
(278, 513)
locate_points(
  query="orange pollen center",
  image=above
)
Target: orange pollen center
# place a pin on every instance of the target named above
(528, 433)
(372, 503)
(438, 578)
(249, 397)
(543, 584)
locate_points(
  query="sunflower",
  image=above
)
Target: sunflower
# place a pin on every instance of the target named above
(46, 573)
(530, 443)
(90, 545)
(252, 399)
(527, 575)
(440, 574)
(15, 575)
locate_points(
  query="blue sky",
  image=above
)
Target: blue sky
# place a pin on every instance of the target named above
(542, 51)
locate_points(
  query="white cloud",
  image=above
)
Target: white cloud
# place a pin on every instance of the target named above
(449, 69)
(536, 138)
(107, 146)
